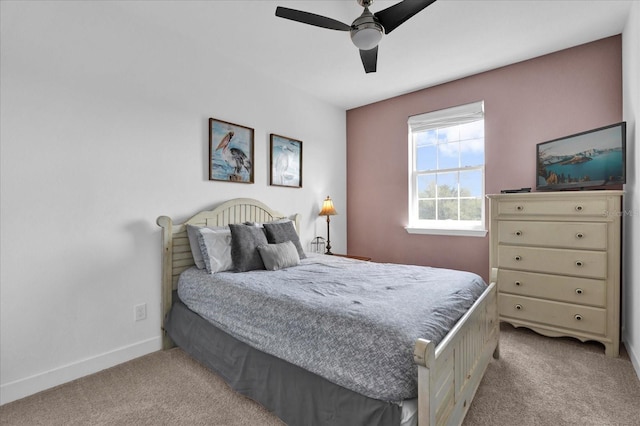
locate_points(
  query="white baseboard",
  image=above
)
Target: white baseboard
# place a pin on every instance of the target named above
(30, 385)
(634, 356)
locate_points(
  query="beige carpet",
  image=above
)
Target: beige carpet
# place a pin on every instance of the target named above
(538, 381)
(555, 381)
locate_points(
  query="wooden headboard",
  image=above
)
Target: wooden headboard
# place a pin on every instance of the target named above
(176, 251)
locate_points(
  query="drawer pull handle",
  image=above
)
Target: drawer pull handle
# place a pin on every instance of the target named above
(579, 263)
(519, 208)
(518, 258)
(579, 235)
(519, 307)
(579, 208)
(579, 291)
(518, 283)
(578, 317)
(518, 233)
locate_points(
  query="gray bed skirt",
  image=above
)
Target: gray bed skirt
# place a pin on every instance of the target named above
(295, 395)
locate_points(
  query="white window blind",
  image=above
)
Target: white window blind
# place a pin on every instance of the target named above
(447, 117)
(446, 167)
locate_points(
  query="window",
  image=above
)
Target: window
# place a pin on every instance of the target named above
(446, 167)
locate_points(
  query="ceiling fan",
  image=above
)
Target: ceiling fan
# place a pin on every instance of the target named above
(366, 30)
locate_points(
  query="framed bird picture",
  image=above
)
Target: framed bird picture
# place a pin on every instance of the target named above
(286, 161)
(230, 152)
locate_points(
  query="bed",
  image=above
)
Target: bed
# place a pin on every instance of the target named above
(449, 366)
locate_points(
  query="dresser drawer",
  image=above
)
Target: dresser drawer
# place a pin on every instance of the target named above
(580, 263)
(581, 291)
(565, 315)
(578, 235)
(575, 207)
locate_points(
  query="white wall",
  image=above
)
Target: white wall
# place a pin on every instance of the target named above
(631, 114)
(103, 128)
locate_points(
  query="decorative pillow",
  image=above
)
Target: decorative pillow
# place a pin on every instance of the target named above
(279, 256)
(282, 232)
(216, 249)
(194, 243)
(244, 242)
(261, 224)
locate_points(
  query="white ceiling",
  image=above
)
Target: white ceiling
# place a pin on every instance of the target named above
(448, 40)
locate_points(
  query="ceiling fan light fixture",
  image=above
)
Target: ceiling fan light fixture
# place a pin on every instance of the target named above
(366, 30)
(366, 38)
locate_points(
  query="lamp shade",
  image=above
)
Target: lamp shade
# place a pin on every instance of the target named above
(327, 208)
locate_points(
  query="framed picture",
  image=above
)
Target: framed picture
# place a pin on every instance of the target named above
(286, 161)
(230, 152)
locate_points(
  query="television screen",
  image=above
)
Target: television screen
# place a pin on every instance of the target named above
(589, 159)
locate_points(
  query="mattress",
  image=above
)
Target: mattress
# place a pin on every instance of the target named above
(353, 323)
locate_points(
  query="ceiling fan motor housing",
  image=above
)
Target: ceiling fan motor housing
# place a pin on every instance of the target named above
(366, 31)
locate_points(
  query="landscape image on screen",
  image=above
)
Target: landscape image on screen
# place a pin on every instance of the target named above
(589, 159)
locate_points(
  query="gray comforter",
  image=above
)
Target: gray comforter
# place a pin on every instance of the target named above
(354, 323)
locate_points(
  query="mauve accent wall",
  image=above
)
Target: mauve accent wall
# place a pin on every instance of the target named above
(526, 103)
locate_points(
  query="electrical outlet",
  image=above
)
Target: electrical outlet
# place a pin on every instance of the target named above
(140, 312)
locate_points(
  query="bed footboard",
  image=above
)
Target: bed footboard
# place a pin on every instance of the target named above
(449, 374)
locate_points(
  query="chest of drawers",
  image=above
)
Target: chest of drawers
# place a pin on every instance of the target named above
(557, 260)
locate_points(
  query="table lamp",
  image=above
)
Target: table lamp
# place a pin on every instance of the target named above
(328, 210)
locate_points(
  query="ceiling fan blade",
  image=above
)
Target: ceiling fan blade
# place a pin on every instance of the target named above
(369, 59)
(393, 16)
(311, 19)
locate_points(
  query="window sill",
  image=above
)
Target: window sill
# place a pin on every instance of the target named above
(449, 232)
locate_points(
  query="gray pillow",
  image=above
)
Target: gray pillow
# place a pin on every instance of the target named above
(279, 256)
(244, 247)
(261, 224)
(283, 232)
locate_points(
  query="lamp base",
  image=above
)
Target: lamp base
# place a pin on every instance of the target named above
(328, 247)
(328, 238)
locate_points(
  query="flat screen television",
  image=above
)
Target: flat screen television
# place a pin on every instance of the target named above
(587, 160)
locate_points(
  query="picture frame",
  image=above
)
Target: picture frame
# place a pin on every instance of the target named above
(285, 161)
(231, 152)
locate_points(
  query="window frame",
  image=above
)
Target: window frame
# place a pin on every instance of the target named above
(441, 119)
